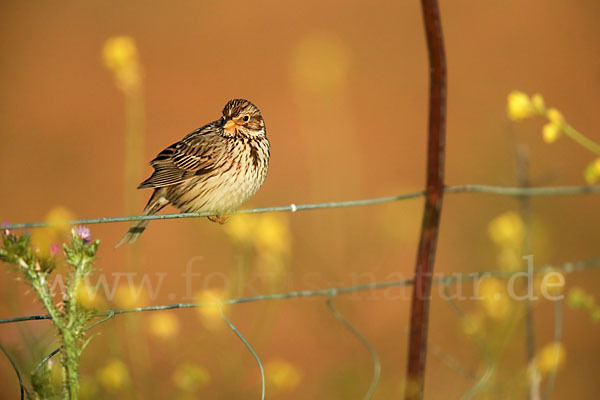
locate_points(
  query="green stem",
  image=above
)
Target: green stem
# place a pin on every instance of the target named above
(68, 325)
(580, 138)
(70, 355)
(70, 359)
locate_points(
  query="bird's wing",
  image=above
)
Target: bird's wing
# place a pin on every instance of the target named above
(194, 155)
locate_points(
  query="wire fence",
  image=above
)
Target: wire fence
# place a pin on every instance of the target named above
(484, 189)
(329, 294)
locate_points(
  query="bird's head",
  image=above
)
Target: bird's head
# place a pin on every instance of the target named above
(242, 118)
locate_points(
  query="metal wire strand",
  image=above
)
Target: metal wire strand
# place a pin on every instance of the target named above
(489, 368)
(363, 339)
(454, 278)
(239, 335)
(14, 365)
(485, 189)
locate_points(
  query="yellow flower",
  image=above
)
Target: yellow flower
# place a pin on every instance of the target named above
(121, 57)
(580, 299)
(495, 301)
(551, 132)
(281, 375)
(592, 172)
(555, 116)
(551, 357)
(507, 230)
(127, 296)
(241, 227)
(265, 232)
(272, 234)
(519, 106)
(164, 324)
(210, 314)
(57, 217)
(190, 377)
(88, 297)
(119, 52)
(114, 375)
(538, 102)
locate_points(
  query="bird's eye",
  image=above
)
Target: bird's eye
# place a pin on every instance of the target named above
(246, 118)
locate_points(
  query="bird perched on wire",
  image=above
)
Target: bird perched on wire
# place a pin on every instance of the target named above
(214, 169)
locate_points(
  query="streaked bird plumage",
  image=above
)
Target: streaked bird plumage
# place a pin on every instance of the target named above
(214, 169)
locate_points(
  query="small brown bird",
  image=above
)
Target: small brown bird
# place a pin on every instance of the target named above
(214, 169)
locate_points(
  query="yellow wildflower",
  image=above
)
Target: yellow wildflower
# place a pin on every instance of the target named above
(164, 324)
(210, 314)
(580, 299)
(44, 238)
(551, 357)
(281, 375)
(592, 172)
(121, 57)
(266, 232)
(551, 132)
(89, 297)
(241, 228)
(555, 116)
(58, 217)
(272, 233)
(495, 301)
(127, 296)
(190, 377)
(114, 375)
(519, 106)
(507, 229)
(538, 102)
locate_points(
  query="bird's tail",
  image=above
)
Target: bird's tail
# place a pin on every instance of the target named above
(155, 204)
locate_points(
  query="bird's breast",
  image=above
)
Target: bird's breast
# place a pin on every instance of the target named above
(229, 184)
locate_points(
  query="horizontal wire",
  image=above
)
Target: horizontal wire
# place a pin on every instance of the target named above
(494, 190)
(448, 279)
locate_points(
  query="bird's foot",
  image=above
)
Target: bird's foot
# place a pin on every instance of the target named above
(221, 219)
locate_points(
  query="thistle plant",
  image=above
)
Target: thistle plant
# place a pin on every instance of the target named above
(70, 317)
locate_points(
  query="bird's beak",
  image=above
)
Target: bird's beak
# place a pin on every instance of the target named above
(229, 125)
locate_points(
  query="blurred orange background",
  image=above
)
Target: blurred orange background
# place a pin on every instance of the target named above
(343, 89)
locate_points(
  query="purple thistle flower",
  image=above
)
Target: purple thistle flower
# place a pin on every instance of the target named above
(6, 232)
(54, 249)
(83, 233)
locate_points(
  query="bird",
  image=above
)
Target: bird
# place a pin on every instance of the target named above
(214, 169)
